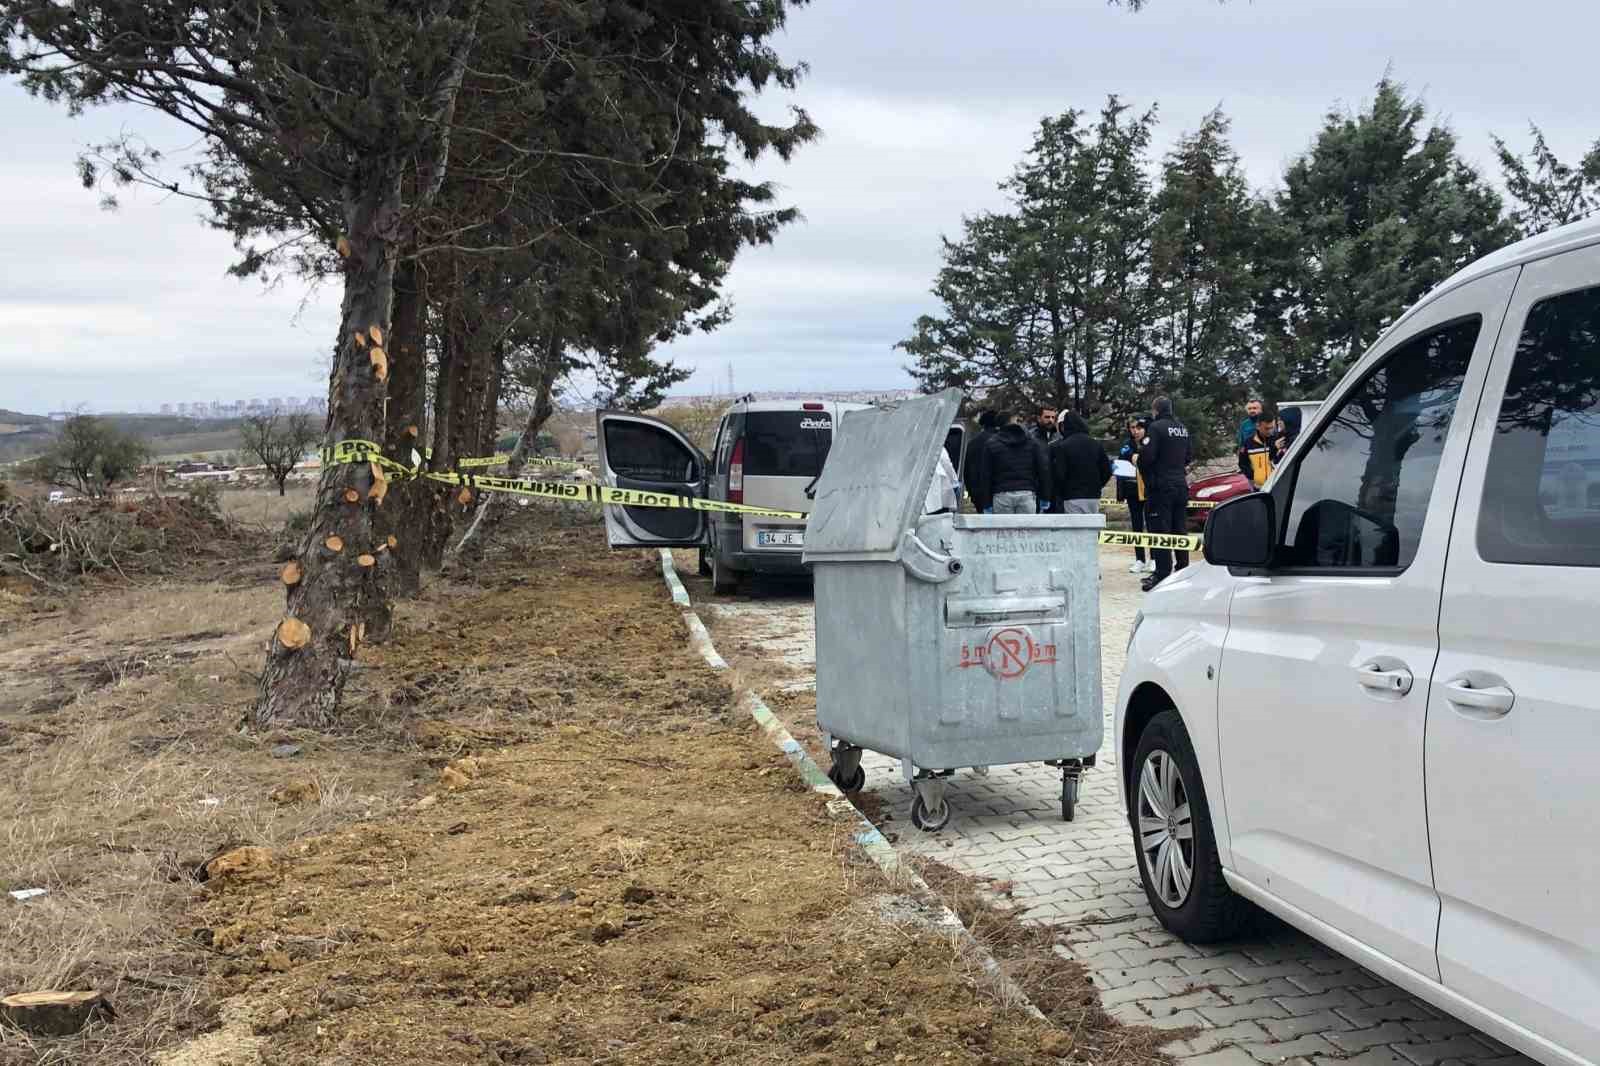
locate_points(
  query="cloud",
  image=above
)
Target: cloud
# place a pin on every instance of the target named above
(926, 106)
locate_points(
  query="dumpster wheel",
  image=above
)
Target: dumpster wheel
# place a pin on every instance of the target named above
(926, 822)
(853, 783)
(1069, 798)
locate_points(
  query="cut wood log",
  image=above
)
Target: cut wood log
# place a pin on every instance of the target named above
(50, 1013)
(361, 339)
(380, 485)
(365, 561)
(343, 248)
(464, 497)
(352, 496)
(293, 634)
(376, 334)
(380, 363)
(292, 572)
(394, 542)
(334, 543)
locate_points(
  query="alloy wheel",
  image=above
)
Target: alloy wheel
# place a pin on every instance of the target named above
(1166, 828)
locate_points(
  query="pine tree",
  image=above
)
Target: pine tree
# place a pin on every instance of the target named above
(1547, 192)
(1046, 303)
(1379, 211)
(1206, 234)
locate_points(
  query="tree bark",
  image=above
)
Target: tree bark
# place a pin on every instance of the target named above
(303, 685)
(405, 510)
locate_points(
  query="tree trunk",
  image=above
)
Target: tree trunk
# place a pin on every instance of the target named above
(447, 398)
(405, 510)
(492, 507)
(312, 649)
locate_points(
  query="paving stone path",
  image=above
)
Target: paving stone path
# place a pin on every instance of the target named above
(1275, 996)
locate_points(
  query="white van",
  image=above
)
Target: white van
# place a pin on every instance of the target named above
(1375, 711)
(767, 453)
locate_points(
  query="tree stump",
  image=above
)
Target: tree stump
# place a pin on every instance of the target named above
(53, 1013)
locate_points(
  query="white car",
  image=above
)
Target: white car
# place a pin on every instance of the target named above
(1375, 710)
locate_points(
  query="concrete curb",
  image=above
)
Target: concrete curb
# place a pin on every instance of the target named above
(867, 836)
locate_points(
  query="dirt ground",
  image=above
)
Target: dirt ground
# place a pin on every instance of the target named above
(543, 836)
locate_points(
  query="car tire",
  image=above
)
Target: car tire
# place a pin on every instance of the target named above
(1205, 910)
(724, 579)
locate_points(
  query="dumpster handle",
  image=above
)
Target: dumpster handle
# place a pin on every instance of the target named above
(924, 563)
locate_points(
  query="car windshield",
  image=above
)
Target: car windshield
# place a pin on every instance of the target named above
(786, 443)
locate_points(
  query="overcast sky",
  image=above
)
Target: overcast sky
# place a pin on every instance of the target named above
(925, 106)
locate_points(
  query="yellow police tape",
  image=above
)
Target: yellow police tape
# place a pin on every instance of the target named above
(1183, 542)
(363, 451)
(501, 457)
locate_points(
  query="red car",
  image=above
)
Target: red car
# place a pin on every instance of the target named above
(1208, 492)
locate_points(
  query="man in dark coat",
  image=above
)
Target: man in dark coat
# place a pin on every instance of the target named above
(1016, 471)
(1079, 468)
(1164, 458)
(982, 498)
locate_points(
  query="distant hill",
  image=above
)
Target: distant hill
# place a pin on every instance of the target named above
(169, 437)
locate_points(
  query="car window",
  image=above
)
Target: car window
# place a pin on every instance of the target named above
(786, 443)
(1541, 494)
(1361, 490)
(644, 452)
(718, 462)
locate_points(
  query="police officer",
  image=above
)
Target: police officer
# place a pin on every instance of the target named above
(1164, 458)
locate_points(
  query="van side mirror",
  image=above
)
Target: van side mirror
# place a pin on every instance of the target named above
(1241, 531)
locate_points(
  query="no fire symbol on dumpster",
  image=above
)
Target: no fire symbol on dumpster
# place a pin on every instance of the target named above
(1008, 653)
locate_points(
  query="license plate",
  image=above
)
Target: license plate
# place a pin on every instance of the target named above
(780, 538)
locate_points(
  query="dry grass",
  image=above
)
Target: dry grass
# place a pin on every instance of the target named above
(263, 507)
(122, 770)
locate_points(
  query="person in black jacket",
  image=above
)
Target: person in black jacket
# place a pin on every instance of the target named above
(1016, 473)
(982, 498)
(1079, 468)
(1164, 458)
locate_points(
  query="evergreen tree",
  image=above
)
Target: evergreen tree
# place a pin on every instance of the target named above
(1206, 234)
(1547, 192)
(1379, 211)
(1046, 303)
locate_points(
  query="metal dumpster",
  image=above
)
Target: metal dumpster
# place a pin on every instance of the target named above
(947, 641)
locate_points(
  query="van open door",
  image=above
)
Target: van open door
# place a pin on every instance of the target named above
(638, 452)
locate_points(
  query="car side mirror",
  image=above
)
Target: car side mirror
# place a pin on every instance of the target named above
(1241, 531)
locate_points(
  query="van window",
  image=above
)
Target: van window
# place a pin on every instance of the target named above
(642, 452)
(1541, 496)
(1361, 490)
(786, 443)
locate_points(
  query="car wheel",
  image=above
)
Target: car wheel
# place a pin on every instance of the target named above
(1174, 840)
(724, 579)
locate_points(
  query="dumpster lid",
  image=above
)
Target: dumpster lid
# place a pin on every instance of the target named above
(875, 481)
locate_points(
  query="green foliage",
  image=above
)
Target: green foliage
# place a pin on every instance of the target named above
(1379, 211)
(1046, 302)
(204, 494)
(89, 455)
(1095, 291)
(1547, 192)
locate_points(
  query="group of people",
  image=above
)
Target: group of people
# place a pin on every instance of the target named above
(1014, 467)
(1053, 465)
(1263, 440)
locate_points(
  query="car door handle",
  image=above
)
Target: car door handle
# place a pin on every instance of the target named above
(1395, 681)
(1491, 701)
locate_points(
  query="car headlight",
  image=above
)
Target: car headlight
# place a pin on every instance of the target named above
(1138, 617)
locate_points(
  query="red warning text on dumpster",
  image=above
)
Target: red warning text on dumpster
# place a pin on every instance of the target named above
(1007, 654)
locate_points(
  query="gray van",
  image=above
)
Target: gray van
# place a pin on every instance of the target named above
(767, 453)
